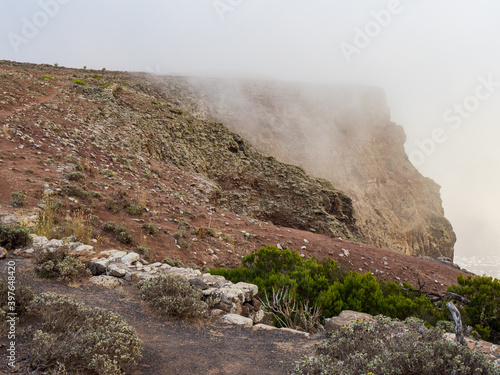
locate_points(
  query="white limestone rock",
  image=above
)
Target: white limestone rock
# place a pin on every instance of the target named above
(238, 320)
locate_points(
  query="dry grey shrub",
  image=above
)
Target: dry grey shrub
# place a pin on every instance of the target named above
(69, 335)
(389, 347)
(173, 296)
(287, 312)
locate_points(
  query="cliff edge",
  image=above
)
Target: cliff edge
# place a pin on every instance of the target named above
(343, 134)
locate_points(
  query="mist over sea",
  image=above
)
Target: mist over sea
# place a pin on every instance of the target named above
(487, 265)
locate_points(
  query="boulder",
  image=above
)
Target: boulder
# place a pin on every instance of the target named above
(105, 281)
(81, 248)
(295, 331)
(238, 320)
(116, 271)
(250, 290)
(130, 258)
(39, 242)
(98, 267)
(53, 245)
(344, 318)
(264, 327)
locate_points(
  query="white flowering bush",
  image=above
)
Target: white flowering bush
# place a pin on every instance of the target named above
(83, 340)
(173, 296)
(389, 347)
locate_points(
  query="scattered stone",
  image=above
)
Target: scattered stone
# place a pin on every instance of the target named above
(344, 318)
(105, 281)
(238, 320)
(130, 258)
(264, 327)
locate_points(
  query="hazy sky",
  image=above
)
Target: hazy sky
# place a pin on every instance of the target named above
(438, 61)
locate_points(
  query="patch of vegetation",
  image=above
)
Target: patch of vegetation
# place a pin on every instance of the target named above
(23, 295)
(135, 208)
(13, 237)
(174, 262)
(323, 284)
(120, 232)
(79, 82)
(60, 265)
(79, 226)
(483, 312)
(205, 232)
(173, 296)
(47, 219)
(144, 251)
(150, 228)
(97, 195)
(47, 76)
(18, 199)
(69, 337)
(75, 176)
(76, 191)
(287, 311)
(181, 239)
(386, 347)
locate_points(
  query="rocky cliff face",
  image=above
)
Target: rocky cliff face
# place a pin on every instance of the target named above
(344, 135)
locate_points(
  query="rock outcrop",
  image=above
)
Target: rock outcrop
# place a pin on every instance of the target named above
(343, 134)
(111, 268)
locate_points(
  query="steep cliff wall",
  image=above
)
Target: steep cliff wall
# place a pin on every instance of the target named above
(343, 134)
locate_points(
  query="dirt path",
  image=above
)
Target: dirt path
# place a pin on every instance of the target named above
(175, 348)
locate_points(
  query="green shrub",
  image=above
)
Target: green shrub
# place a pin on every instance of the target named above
(60, 265)
(75, 176)
(78, 82)
(135, 208)
(47, 76)
(173, 296)
(82, 339)
(483, 312)
(324, 284)
(18, 199)
(113, 227)
(173, 262)
(14, 237)
(388, 347)
(144, 251)
(125, 237)
(150, 228)
(75, 191)
(23, 295)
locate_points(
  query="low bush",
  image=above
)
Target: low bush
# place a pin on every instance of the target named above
(76, 191)
(120, 232)
(144, 251)
(82, 340)
(173, 262)
(150, 228)
(23, 294)
(75, 176)
(173, 296)
(391, 347)
(14, 237)
(18, 199)
(60, 265)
